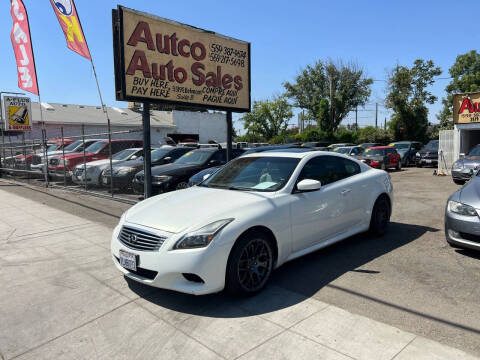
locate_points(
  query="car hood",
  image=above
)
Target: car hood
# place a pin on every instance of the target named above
(77, 155)
(372, 157)
(172, 212)
(129, 163)
(471, 162)
(174, 169)
(470, 193)
(102, 162)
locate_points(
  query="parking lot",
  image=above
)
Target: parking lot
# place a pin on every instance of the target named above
(365, 298)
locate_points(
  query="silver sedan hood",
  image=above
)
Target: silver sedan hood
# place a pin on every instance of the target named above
(470, 193)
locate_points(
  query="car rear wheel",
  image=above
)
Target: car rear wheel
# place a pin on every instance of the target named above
(459, 182)
(380, 216)
(250, 265)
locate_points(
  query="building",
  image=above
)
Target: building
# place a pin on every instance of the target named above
(179, 125)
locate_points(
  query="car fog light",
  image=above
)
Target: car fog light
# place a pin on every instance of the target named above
(453, 233)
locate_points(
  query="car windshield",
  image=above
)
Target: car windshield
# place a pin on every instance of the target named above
(401, 146)
(73, 145)
(159, 154)
(342, 150)
(474, 152)
(432, 145)
(124, 154)
(195, 157)
(52, 147)
(374, 152)
(95, 147)
(254, 174)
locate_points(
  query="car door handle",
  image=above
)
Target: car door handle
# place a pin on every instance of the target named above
(345, 191)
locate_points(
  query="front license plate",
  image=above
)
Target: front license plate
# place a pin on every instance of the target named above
(428, 161)
(128, 260)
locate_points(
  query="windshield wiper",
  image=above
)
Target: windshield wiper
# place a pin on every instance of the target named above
(240, 188)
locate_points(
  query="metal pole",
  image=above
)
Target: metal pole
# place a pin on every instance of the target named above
(11, 154)
(229, 136)
(331, 104)
(64, 161)
(44, 130)
(24, 153)
(376, 115)
(356, 118)
(84, 158)
(147, 159)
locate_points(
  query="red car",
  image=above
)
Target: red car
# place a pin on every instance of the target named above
(34, 157)
(382, 157)
(97, 151)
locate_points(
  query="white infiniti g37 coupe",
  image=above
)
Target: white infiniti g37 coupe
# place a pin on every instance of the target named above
(258, 212)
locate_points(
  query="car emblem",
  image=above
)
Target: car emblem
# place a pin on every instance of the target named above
(133, 238)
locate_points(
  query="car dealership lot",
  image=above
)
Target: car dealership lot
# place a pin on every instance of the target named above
(364, 298)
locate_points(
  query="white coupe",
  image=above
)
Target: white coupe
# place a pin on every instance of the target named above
(256, 213)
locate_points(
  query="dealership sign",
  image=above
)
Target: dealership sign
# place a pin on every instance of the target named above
(162, 61)
(466, 108)
(18, 113)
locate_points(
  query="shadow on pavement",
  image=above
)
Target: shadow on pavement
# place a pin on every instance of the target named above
(303, 277)
(470, 253)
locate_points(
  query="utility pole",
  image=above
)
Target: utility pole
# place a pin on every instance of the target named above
(385, 124)
(331, 103)
(376, 115)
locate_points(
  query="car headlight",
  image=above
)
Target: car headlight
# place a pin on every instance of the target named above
(161, 178)
(461, 209)
(201, 237)
(417, 154)
(124, 171)
(457, 165)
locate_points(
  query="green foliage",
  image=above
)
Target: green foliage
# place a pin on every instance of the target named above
(408, 96)
(268, 118)
(311, 91)
(466, 78)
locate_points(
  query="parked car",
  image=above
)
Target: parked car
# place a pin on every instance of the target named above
(124, 172)
(316, 144)
(464, 168)
(353, 151)
(198, 177)
(270, 148)
(365, 146)
(334, 146)
(462, 221)
(35, 157)
(97, 151)
(175, 176)
(76, 146)
(382, 157)
(91, 172)
(428, 155)
(407, 151)
(255, 214)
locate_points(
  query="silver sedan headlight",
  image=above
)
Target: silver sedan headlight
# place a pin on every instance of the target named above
(161, 179)
(461, 209)
(124, 171)
(201, 237)
(457, 165)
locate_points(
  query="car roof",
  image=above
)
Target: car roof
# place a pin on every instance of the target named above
(381, 147)
(289, 154)
(291, 150)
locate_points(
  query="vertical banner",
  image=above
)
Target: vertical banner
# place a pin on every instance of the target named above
(68, 18)
(18, 113)
(22, 47)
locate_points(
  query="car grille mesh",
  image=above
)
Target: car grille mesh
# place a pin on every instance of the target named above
(54, 161)
(140, 240)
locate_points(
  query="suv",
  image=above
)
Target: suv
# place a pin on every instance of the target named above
(175, 176)
(97, 151)
(407, 150)
(428, 155)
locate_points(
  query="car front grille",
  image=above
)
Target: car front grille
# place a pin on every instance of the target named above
(140, 240)
(78, 171)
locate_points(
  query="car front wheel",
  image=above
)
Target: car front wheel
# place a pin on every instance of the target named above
(380, 216)
(399, 166)
(459, 182)
(250, 264)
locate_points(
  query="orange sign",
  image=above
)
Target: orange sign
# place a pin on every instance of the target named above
(466, 108)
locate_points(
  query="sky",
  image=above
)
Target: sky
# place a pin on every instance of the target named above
(285, 37)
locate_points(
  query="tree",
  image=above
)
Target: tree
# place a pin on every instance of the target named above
(408, 96)
(312, 88)
(268, 118)
(466, 78)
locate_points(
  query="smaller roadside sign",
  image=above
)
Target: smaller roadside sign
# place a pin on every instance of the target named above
(18, 113)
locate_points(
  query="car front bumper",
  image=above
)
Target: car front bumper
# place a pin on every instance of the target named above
(165, 267)
(119, 181)
(462, 231)
(426, 161)
(462, 175)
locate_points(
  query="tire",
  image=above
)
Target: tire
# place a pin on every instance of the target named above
(459, 182)
(380, 216)
(250, 265)
(181, 185)
(407, 162)
(399, 166)
(419, 165)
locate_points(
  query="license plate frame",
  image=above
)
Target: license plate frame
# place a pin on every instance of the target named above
(128, 260)
(428, 161)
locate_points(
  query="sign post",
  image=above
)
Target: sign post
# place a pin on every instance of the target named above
(147, 158)
(165, 62)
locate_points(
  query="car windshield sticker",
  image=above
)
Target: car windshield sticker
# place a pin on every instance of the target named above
(264, 185)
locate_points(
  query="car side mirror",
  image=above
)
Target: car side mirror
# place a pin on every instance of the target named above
(309, 185)
(167, 159)
(462, 155)
(214, 162)
(206, 176)
(134, 157)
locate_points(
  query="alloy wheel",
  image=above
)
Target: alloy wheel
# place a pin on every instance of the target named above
(181, 185)
(254, 265)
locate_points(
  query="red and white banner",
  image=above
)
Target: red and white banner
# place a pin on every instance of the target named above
(22, 46)
(68, 18)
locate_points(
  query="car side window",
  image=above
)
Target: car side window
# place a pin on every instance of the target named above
(328, 169)
(220, 155)
(237, 153)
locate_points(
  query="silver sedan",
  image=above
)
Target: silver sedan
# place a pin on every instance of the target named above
(462, 221)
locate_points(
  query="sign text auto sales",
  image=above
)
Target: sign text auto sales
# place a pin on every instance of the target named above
(167, 62)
